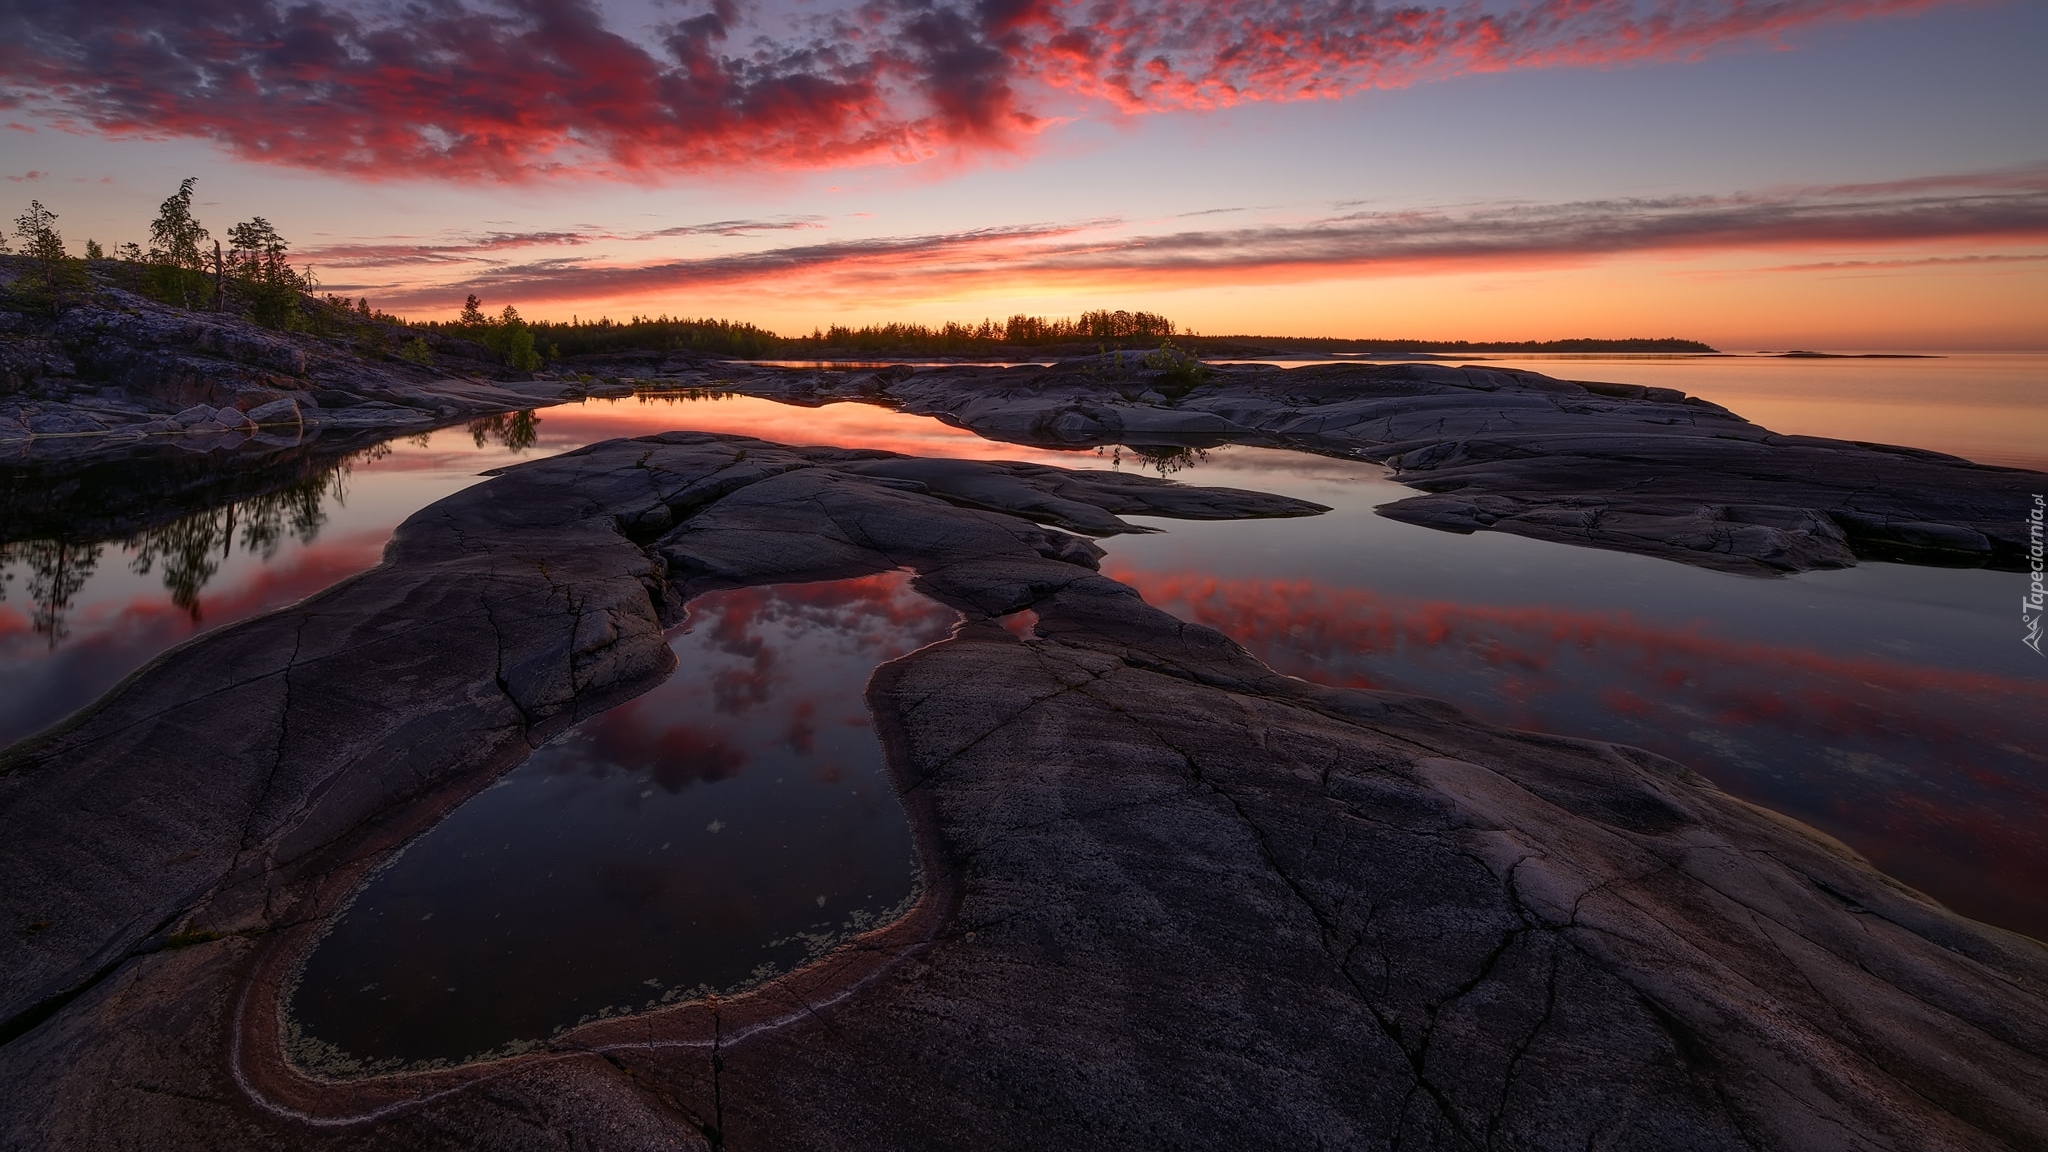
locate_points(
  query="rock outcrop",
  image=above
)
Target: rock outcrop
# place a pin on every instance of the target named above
(1173, 898)
(116, 372)
(1621, 466)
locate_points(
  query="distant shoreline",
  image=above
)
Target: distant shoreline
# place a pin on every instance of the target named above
(853, 358)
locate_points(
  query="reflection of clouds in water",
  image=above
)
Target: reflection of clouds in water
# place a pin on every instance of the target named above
(868, 612)
(673, 756)
(802, 738)
(1826, 735)
(864, 619)
(707, 851)
(739, 689)
(1347, 636)
(847, 424)
(861, 617)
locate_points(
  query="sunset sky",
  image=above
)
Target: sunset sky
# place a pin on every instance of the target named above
(1847, 174)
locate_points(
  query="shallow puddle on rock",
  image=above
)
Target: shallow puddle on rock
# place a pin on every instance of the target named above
(726, 826)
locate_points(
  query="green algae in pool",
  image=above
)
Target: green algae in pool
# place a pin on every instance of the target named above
(726, 826)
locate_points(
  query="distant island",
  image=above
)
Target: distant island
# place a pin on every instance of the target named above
(1226, 345)
(1803, 354)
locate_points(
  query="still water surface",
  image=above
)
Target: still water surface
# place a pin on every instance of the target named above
(728, 825)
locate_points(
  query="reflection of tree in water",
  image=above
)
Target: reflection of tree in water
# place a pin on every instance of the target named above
(1163, 460)
(56, 571)
(646, 392)
(515, 430)
(188, 551)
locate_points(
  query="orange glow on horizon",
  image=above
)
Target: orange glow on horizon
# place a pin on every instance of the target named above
(1953, 307)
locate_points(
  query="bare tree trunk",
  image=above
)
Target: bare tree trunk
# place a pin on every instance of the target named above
(220, 280)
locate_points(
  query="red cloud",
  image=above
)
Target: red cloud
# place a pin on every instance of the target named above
(538, 86)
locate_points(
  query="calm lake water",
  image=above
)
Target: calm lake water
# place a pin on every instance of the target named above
(1893, 707)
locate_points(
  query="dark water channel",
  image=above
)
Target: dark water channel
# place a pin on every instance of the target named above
(726, 826)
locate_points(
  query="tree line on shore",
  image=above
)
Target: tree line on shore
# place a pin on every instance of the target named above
(954, 338)
(252, 274)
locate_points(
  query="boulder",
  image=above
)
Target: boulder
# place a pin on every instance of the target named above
(281, 411)
(63, 422)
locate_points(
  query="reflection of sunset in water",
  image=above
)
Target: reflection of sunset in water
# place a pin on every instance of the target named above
(109, 635)
(848, 425)
(75, 617)
(1935, 774)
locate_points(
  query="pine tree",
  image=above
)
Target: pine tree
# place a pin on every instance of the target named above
(262, 274)
(179, 271)
(56, 273)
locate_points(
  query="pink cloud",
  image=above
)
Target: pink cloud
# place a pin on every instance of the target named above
(536, 87)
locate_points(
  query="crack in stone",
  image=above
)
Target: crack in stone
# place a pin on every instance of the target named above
(1329, 931)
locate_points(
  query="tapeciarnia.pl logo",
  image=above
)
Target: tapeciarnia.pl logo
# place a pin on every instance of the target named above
(2031, 607)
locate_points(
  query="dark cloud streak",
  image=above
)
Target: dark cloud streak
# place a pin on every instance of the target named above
(1426, 240)
(478, 249)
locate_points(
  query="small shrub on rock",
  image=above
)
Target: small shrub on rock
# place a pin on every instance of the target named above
(1179, 373)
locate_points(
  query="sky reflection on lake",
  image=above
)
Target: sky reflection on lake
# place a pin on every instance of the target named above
(111, 613)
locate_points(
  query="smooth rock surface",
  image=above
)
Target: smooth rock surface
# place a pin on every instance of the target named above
(1621, 466)
(1173, 898)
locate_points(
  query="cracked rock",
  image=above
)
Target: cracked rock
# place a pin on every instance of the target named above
(1173, 899)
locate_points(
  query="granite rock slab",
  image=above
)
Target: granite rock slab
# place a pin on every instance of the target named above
(1172, 897)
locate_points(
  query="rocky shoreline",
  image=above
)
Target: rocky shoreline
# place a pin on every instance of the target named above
(1619, 466)
(121, 374)
(1173, 898)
